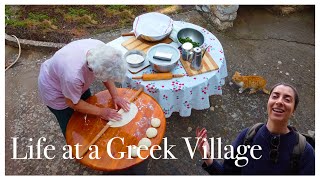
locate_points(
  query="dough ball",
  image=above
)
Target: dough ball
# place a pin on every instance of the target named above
(151, 132)
(155, 122)
(134, 151)
(144, 141)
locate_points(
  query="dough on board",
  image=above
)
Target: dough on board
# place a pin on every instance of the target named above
(144, 141)
(126, 116)
(151, 132)
(155, 122)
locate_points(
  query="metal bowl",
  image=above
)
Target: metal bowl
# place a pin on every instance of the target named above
(131, 62)
(161, 65)
(193, 34)
(153, 38)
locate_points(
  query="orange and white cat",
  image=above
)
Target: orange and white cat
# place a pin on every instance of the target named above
(255, 83)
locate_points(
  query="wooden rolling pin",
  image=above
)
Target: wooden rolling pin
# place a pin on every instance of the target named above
(128, 34)
(157, 76)
(136, 94)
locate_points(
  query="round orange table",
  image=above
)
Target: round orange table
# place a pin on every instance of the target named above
(83, 128)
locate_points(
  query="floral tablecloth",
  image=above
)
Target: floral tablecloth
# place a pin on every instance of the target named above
(185, 93)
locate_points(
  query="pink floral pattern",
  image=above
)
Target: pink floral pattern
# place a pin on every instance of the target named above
(205, 89)
(176, 86)
(165, 97)
(186, 104)
(151, 87)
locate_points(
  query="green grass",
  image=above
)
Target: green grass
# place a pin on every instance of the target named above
(73, 14)
(77, 12)
(81, 16)
(37, 17)
(15, 23)
(10, 20)
(13, 18)
(116, 7)
(8, 11)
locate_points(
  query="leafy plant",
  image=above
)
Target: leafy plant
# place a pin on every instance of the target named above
(187, 39)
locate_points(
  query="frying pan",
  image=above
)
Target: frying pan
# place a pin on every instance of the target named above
(151, 26)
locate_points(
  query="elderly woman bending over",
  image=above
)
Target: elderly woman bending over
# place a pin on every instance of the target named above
(65, 78)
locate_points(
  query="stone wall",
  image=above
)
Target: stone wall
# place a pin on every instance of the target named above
(221, 16)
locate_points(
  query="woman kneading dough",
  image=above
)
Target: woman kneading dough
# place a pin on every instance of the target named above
(65, 78)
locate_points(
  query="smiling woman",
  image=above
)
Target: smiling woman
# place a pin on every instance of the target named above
(282, 103)
(278, 141)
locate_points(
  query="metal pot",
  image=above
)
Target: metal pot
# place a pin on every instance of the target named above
(132, 64)
(163, 68)
(147, 27)
(161, 65)
(148, 38)
(193, 34)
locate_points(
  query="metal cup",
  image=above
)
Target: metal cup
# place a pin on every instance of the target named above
(197, 59)
(187, 51)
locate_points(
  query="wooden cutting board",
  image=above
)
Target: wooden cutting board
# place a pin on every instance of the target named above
(142, 45)
(208, 64)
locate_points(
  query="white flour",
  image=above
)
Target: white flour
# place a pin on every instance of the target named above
(134, 58)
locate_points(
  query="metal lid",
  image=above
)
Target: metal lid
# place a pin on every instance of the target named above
(197, 50)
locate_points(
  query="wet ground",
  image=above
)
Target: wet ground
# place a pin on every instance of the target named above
(279, 48)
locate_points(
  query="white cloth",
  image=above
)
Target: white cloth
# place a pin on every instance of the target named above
(185, 93)
(152, 24)
(175, 29)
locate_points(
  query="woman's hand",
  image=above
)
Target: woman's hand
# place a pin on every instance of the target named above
(203, 144)
(119, 101)
(110, 114)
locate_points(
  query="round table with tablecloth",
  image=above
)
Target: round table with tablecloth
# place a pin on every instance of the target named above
(188, 92)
